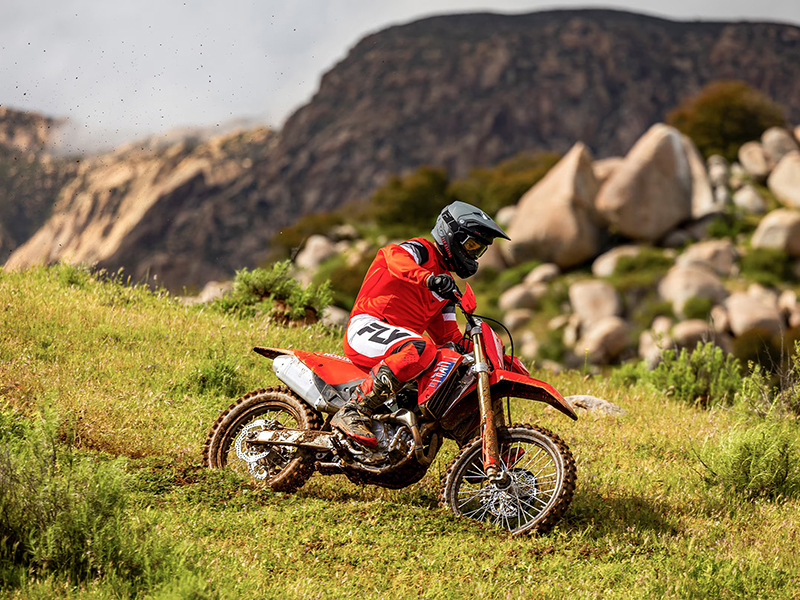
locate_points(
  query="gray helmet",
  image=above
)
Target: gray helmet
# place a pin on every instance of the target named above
(463, 232)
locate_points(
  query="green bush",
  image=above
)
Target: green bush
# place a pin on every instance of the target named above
(406, 205)
(725, 115)
(767, 266)
(697, 308)
(766, 392)
(707, 376)
(759, 461)
(274, 291)
(345, 280)
(641, 270)
(63, 514)
(504, 184)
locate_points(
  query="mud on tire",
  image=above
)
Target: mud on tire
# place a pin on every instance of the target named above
(284, 469)
(542, 481)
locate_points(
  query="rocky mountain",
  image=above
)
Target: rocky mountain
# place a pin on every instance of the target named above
(457, 91)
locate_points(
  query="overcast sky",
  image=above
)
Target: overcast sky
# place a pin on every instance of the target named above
(121, 70)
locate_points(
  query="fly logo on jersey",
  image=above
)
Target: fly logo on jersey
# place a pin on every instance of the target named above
(440, 373)
(383, 334)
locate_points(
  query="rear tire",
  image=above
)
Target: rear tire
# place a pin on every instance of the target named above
(283, 468)
(542, 477)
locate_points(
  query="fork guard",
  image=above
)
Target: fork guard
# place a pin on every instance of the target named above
(506, 383)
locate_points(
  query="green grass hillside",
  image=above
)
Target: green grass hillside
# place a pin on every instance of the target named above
(107, 392)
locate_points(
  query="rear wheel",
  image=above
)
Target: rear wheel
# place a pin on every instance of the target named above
(541, 481)
(283, 468)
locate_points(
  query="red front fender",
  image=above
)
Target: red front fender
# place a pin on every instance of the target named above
(506, 383)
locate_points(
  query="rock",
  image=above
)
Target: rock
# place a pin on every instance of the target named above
(722, 198)
(749, 200)
(651, 192)
(682, 283)
(572, 331)
(333, 316)
(739, 176)
(214, 290)
(505, 216)
(784, 181)
(719, 319)
(605, 264)
(687, 334)
(717, 255)
(754, 161)
(777, 143)
(747, 312)
(605, 167)
(493, 259)
(542, 274)
(593, 300)
(764, 294)
(603, 341)
(555, 220)
(651, 345)
(779, 229)
(787, 302)
(517, 318)
(704, 200)
(595, 405)
(552, 366)
(718, 171)
(558, 322)
(317, 250)
(345, 231)
(519, 296)
(529, 346)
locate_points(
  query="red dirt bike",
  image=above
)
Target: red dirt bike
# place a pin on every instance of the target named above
(520, 477)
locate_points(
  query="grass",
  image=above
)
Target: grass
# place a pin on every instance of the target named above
(121, 365)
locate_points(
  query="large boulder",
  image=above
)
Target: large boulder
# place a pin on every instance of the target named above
(605, 264)
(604, 341)
(704, 199)
(747, 312)
(605, 167)
(777, 143)
(718, 170)
(593, 300)
(555, 220)
(784, 181)
(754, 160)
(651, 192)
(780, 229)
(749, 200)
(684, 282)
(542, 274)
(716, 255)
(687, 334)
(317, 250)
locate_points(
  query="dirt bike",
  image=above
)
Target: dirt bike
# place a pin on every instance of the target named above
(519, 477)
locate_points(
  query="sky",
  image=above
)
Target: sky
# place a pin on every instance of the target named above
(123, 70)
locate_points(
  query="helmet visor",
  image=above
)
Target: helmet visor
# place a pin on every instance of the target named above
(473, 247)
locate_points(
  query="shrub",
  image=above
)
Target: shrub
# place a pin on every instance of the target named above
(345, 280)
(707, 376)
(775, 394)
(409, 204)
(641, 270)
(63, 513)
(767, 266)
(275, 292)
(697, 308)
(504, 184)
(725, 115)
(758, 461)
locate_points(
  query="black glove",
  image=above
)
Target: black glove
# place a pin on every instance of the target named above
(444, 286)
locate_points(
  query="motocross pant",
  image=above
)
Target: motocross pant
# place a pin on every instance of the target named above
(370, 341)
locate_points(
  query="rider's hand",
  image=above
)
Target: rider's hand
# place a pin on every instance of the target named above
(444, 286)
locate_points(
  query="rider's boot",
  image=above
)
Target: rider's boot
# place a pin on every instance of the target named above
(354, 419)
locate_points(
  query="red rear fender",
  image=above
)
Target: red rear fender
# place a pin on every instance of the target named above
(505, 383)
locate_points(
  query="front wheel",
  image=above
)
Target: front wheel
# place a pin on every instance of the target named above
(283, 468)
(541, 481)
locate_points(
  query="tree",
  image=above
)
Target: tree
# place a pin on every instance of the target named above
(724, 115)
(412, 202)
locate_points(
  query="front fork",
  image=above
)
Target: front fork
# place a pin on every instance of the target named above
(492, 465)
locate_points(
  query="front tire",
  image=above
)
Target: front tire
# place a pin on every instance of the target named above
(541, 483)
(283, 468)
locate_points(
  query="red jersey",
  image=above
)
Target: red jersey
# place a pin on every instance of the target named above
(394, 291)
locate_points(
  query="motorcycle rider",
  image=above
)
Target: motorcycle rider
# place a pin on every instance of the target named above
(409, 290)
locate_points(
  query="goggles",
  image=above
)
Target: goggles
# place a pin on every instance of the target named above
(473, 247)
